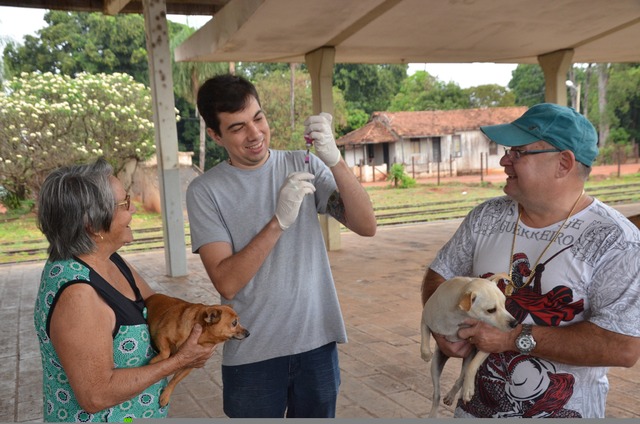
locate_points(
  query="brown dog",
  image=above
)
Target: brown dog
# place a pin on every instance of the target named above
(171, 320)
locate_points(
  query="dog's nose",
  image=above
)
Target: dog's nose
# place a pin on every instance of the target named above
(513, 324)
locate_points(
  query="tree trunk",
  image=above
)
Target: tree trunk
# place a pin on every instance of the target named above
(573, 89)
(292, 95)
(603, 79)
(585, 98)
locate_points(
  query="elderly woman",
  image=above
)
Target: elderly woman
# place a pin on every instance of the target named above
(90, 314)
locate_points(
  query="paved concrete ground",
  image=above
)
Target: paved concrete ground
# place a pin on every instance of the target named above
(378, 281)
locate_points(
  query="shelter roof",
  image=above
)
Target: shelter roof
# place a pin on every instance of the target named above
(396, 31)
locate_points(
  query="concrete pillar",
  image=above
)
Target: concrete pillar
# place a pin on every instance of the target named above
(555, 66)
(166, 135)
(320, 64)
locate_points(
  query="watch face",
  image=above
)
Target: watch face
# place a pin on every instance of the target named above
(524, 343)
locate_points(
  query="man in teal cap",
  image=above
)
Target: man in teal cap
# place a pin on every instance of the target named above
(573, 266)
(561, 127)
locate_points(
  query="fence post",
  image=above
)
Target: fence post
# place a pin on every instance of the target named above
(486, 162)
(451, 165)
(413, 167)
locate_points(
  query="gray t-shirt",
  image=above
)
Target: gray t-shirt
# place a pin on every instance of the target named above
(290, 306)
(591, 272)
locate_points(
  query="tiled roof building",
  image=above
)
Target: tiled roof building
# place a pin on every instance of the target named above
(425, 141)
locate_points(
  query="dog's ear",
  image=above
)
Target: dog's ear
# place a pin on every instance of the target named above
(466, 301)
(212, 316)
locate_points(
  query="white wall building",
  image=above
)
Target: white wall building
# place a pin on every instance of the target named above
(426, 142)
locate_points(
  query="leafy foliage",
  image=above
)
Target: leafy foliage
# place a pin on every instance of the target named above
(47, 121)
(84, 42)
(369, 88)
(275, 98)
(623, 100)
(490, 95)
(356, 118)
(187, 79)
(399, 178)
(527, 83)
(255, 70)
(189, 76)
(422, 91)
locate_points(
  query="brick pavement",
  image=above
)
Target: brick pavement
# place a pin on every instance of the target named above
(378, 281)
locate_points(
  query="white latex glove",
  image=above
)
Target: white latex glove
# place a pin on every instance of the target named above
(319, 128)
(290, 197)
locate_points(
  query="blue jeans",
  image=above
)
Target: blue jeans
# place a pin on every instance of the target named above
(304, 385)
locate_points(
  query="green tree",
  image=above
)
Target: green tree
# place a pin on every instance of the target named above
(399, 178)
(255, 70)
(623, 102)
(92, 42)
(187, 79)
(275, 98)
(490, 95)
(75, 42)
(369, 88)
(422, 91)
(356, 118)
(527, 84)
(47, 121)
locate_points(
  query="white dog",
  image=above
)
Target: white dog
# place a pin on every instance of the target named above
(454, 301)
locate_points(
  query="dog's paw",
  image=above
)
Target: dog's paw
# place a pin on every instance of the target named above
(426, 355)
(164, 399)
(467, 392)
(434, 412)
(450, 398)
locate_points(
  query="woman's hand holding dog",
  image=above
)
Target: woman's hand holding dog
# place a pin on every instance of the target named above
(191, 354)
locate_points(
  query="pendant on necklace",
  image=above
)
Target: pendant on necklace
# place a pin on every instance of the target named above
(510, 287)
(508, 290)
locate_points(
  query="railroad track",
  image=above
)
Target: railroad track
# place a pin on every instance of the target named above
(152, 238)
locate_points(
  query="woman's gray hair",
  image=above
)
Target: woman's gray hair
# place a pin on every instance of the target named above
(75, 203)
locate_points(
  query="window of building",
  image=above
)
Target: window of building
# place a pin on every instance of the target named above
(456, 146)
(415, 145)
(371, 154)
(493, 148)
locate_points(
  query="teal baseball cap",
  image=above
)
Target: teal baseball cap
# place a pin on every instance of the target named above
(560, 126)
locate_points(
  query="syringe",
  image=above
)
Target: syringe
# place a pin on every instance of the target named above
(309, 142)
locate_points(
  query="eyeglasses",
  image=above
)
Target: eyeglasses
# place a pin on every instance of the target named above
(126, 202)
(515, 154)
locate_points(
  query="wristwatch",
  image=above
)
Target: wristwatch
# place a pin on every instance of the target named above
(525, 342)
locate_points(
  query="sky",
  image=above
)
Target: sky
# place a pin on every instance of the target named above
(16, 22)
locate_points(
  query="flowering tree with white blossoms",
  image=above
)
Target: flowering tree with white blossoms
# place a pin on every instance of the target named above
(48, 121)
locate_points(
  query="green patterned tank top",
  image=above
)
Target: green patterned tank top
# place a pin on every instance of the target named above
(131, 345)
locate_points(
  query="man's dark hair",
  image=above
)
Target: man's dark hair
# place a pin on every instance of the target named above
(223, 93)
